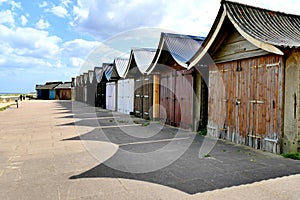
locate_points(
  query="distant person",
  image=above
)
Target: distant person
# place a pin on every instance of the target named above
(21, 97)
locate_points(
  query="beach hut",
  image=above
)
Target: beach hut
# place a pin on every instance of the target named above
(101, 87)
(254, 80)
(63, 91)
(80, 88)
(112, 77)
(73, 85)
(77, 85)
(47, 91)
(91, 88)
(144, 91)
(84, 88)
(183, 93)
(125, 93)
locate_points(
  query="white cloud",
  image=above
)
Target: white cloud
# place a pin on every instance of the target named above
(15, 5)
(43, 4)
(7, 17)
(3, 1)
(42, 24)
(66, 3)
(30, 42)
(79, 47)
(107, 18)
(75, 62)
(23, 20)
(104, 19)
(59, 11)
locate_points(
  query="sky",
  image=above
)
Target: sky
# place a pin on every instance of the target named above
(55, 40)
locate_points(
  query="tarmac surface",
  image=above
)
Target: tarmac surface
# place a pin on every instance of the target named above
(68, 150)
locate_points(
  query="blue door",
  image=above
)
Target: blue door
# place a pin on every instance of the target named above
(51, 94)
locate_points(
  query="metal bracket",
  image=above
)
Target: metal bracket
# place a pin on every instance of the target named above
(255, 101)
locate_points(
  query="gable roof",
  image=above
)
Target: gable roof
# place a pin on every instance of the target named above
(47, 86)
(110, 72)
(180, 47)
(121, 65)
(141, 58)
(91, 76)
(66, 85)
(266, 29)
(98, 74)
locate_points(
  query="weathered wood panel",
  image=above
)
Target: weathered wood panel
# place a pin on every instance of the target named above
(177, 98)
(236, 47)
(147, 97)
(245, 104)
(138, 100)
(291, 140)
(143, 100)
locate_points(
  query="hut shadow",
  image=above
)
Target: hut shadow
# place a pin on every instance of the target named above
(190, 174)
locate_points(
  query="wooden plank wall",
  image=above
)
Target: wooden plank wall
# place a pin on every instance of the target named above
(245, 101)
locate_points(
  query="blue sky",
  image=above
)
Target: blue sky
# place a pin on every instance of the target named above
(52, 40)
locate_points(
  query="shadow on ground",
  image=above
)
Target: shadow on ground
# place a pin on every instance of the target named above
(226, 165)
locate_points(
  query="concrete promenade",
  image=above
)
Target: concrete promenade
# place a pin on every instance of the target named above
(38, 160)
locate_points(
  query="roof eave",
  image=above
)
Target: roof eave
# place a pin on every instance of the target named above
(260, 44)
(208, 41)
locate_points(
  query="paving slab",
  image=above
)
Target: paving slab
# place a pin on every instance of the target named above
(60, 150)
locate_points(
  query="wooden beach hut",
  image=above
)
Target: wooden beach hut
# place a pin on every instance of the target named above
(91, 88)
(144, 93)
(47, 91)
(254, 77)
(101, 86)
(63, 91)
(125, 92)
(111, 77)
(183, 93)
(84, 89)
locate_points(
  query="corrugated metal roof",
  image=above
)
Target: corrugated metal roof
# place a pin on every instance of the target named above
(111, 72)
(48, 86)
(81, 80)
(181, 47)
(143, 57)
(77, 81)
(66, 85)
(272, 27)
(121, 65)
(266, 29)
(98, 73)
(91, 76)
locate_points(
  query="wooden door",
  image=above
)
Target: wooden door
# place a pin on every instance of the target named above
(251, 104)
(147, 97)
(167, 96)
(184, 102)
(110, 95)
(138, 101)
(121, 100)
(128, 95)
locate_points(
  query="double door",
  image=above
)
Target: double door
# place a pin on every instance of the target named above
(177, 98)
(143, 97)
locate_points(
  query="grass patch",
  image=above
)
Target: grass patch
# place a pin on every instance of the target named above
(202, 132)
(295, 156)
(207, 156)
(5, 107)
(143, 123)
(146, 124)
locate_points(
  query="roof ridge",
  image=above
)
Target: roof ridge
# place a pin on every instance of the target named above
(258, 8)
